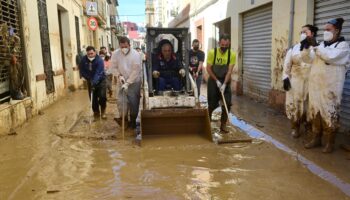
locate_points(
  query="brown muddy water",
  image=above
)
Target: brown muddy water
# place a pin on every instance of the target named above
(58, 155)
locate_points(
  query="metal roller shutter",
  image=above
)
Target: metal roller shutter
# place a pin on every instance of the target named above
(257, 31)
(324, 11)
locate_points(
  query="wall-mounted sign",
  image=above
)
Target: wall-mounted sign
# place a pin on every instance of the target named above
(92, 23)
(91, 8)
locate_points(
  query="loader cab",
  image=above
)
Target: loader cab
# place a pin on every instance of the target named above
(180, 42)
(167, 64)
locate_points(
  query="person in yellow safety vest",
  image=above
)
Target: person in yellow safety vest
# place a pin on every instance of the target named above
(329, 62)
(296, 80)
(220, 64)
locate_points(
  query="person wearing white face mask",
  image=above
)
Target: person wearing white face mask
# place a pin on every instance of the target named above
(126, 66)
(327, 76)
(92, 69)
(295, 79)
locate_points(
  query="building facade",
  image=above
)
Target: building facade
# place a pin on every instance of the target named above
(261, 32)
(149, 11)
(39, 61)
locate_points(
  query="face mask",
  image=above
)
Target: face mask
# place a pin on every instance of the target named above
(303, 36)
(195, 48)
(125, 51)
(224, 49)
(327, 36)
(91, 59)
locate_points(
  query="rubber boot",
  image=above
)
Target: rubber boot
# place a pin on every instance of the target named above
(223, 120)
(307, 124)
(316, 133)
(210, 113)
(103, 114)
(307, 127)
(329, 135)
(295, 129)
(96, 116)
(315, 141)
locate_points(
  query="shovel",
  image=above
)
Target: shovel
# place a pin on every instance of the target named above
(224, 101)
(231, 140)
(91, 111)
(123, 114)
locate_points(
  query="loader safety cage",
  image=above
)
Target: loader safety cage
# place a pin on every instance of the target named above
(171, 112)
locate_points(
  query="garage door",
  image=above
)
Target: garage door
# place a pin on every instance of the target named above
(257, 31)
(324, 11)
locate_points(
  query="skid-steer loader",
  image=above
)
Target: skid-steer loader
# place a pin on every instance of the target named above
(171, 112)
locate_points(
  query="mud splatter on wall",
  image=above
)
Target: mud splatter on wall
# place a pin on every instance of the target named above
(281, 50)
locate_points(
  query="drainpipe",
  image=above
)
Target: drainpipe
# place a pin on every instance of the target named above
(291, 24)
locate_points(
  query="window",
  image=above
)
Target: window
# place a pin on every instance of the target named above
(77, 33)
(45, 46)
(9, 14)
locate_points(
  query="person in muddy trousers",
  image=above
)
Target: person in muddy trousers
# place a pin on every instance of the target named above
(167, 69)
(295, 80)
(220, 64)
(328, 67)
(126, 66)
(196, 63)
(92, 70)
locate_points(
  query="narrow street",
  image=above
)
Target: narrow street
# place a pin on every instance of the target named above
(269, 58)
(58, 155)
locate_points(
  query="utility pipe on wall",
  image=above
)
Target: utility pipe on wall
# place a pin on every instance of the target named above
(291, 24)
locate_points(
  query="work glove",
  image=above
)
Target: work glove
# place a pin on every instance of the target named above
(193, 72)
(182, 72)
(222, 88)
(93, 87)
(125, 87)
(121, 80)
(286, 84)
(155, 74)
(196, 75)
(218, 83)
(199, 71)
(304, 44)
(307, 42)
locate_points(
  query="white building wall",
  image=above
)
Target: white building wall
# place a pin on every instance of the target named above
(34, 59)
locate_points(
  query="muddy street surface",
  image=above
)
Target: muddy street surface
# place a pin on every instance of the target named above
(59, 155)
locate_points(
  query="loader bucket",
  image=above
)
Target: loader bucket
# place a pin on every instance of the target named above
(159, 122)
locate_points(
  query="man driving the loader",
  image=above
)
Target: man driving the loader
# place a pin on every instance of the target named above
(167, 69)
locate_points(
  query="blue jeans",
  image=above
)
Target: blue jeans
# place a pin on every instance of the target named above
(99, 99)
(169, 83)
(198, 83)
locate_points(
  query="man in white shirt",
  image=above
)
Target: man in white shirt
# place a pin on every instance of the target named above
(126, 66)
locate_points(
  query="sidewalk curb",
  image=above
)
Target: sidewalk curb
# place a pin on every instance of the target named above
(315, 169)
